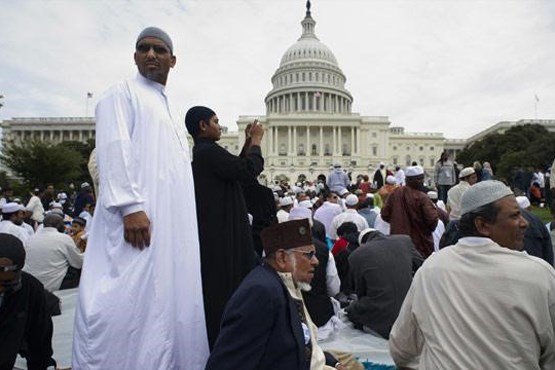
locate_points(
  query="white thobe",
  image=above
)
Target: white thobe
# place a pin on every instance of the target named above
(326, 213)
(477, 305)
(454, 196)
(141, 309)
(49, 253)
(8, 227)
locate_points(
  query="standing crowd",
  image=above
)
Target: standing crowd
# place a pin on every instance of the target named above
(190, 263)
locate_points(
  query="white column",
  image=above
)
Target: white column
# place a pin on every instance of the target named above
(80, 135)
(358, 140)
(352, 140)
(41, 135)
(295, 149)
(308, 150)
(289, 141)
(321, 152)
(276, 136)
(334, 141)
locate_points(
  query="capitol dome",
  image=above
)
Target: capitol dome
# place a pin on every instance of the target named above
(308, 79)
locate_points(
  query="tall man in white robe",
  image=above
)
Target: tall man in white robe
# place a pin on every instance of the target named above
(140, 300)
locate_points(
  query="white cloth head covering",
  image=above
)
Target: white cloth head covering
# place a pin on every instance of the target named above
(351, 200)
(483, 193)
(432, 194)
(467, 171)
(12, 207)
(364, 232)
(413, 171)
(343, 192)
(523, 202)
(390, 180)
(305, 203)
(299, 213)
(285, 201)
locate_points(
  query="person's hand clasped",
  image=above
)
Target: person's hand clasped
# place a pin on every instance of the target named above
(256, 133)
(136, 229)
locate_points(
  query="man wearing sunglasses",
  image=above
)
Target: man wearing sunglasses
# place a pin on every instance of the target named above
(266, 324)
(140, 300)
(25, 324)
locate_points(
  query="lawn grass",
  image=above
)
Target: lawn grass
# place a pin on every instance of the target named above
(542, 212)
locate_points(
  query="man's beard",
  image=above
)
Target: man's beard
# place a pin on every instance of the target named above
(305, 287)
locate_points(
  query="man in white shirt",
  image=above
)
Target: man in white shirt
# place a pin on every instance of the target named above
(467, 178)
(50, 252)
(12, 219)
(349, 215)
(328, 210)
(285, 205)
(482, 303)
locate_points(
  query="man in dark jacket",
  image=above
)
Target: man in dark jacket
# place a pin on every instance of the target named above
(382, 269)
(25, 324)
(265, 324)
(226, 246)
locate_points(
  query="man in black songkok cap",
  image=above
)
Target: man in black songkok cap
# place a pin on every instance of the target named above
(25, 324)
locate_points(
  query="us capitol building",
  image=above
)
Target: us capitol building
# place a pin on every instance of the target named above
(309, 124)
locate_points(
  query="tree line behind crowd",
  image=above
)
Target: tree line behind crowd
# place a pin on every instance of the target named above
(36, 163)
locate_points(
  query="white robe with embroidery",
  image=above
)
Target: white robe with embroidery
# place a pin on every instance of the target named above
(141, 309)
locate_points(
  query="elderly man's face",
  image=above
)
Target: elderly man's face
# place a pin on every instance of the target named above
(509, 227)
(301, 263)
(154, 59)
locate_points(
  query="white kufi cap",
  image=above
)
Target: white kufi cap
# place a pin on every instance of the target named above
(483, 193)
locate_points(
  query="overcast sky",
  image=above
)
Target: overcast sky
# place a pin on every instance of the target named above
(454, 67)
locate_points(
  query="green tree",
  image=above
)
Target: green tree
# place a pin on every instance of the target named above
(37, 163)
(520, 146)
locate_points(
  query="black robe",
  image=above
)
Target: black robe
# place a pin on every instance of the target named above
(26, 326)
(226, 245)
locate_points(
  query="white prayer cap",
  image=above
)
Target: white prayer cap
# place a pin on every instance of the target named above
(369, 195)
(413, 171)
(363, 233)
(390, 180)
(351, 200)
(432, 195)
(56, 205)
(12, 207)
(298, 213)
(62, 195)
(305, 203)
(296, 189)
(85, 184)
(483, 193)
(343, 192)
(337, 164)
(523, 202)
(467, 171)
(285, 201)
(382, 164)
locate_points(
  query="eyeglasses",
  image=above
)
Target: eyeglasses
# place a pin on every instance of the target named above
(307, 255)
(158, 49)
